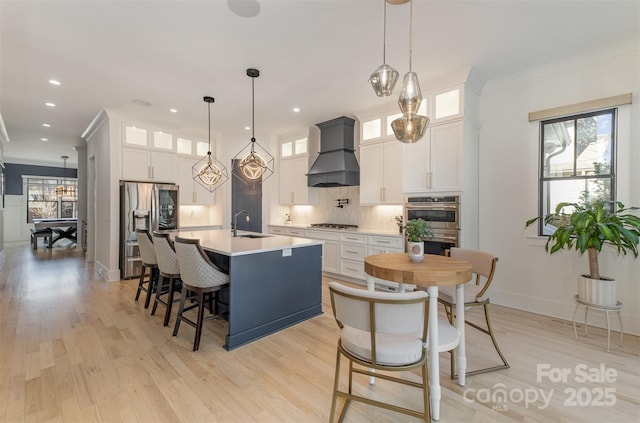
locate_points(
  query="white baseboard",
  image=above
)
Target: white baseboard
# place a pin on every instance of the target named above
(564, 309)
(106, 274)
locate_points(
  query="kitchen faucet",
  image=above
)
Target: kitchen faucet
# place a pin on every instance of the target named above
(235, 221)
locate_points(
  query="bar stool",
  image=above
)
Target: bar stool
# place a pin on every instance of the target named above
(200, 276)
(149, 261)
(169, 280)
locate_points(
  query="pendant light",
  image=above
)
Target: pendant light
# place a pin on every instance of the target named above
(410, 127)
(384, 79)
(63, 189)
(208, 171)
(255, 162)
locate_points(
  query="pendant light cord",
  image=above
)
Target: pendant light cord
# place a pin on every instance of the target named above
(410, 32)
(209, 108)
(253, 111)
(384, 35)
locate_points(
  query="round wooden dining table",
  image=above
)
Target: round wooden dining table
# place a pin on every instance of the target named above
(431, 273)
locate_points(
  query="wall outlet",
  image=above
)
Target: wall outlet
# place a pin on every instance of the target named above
(286, 252)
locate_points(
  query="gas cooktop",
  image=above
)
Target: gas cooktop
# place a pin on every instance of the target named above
(334, 226)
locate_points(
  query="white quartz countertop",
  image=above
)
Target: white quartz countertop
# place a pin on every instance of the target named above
(222, 241)
(365, 231)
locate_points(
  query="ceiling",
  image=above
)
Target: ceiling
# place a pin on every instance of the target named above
(312, 54)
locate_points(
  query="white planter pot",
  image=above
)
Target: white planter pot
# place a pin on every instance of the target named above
(597, 291)
(415, 250)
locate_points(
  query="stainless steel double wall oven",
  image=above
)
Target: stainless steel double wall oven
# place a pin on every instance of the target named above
(442, 214)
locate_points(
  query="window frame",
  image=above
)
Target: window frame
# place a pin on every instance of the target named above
(59, 201)
(542, 179)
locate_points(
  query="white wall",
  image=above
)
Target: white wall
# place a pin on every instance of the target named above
(527, 277)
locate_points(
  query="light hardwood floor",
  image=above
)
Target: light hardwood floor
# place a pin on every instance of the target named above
(74, 348)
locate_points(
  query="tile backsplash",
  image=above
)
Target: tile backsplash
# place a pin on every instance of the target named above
(326, 210)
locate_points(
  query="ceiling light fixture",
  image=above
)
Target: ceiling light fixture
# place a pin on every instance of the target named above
(383, 79)
(410, 127)
(50, 104)
(208, 171)
(54, 82)
(173, 110)
(44, 139)
(46, 125)
(64, 189)
(255, 162)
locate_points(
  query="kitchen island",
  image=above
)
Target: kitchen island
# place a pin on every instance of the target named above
(275, 281)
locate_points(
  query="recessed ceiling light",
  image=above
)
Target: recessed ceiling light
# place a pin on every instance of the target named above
(50, 104)
(173, 110)
(248, 128)
(44, 139)
(46, 125)
(139, 102)
(54, 82)
(296, 109)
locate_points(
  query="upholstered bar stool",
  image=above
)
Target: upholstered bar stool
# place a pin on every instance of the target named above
(169, 280)
(149, 262)
(201, 277)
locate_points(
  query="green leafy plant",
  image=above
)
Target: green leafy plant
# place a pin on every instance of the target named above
(589, 226)
(415, 229)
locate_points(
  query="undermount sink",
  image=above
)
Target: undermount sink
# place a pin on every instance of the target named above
(253, 236)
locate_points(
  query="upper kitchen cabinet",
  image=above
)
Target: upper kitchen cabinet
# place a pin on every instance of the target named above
(381, 159)
(189, 153)
(380, 173)
(192, 192)
(446, 158)
(148, 155)
(296, 152)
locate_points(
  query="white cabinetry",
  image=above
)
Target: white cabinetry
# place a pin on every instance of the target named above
(344, 252)
(295, 153)
(191, 192)
(384, 244)
(145, 165)
(148, 155)
(353, 249)
(330, 250)
(434, 164)
(293, 181)
(380, 173)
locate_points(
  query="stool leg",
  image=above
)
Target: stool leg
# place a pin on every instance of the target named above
(167, 313)
(201, 306)
(183, 298)
(141, 281)
(152, 287)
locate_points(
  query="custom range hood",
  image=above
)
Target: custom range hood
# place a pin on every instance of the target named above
(336, 165)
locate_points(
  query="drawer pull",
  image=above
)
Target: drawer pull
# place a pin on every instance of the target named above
(352, 252)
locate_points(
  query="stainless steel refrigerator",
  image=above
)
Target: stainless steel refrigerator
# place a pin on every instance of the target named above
(144, 206)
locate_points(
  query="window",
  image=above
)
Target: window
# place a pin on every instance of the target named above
(576, 160)
(43, 203)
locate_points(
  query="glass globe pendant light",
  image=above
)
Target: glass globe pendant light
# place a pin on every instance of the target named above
(208, 171)
(384, 79)
(256, 163)
(410, 127)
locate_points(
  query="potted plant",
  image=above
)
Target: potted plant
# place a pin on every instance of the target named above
(588, 227)
(414, 230)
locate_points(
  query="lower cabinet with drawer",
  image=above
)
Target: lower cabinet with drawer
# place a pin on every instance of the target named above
(343, 252)
(353, 249)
